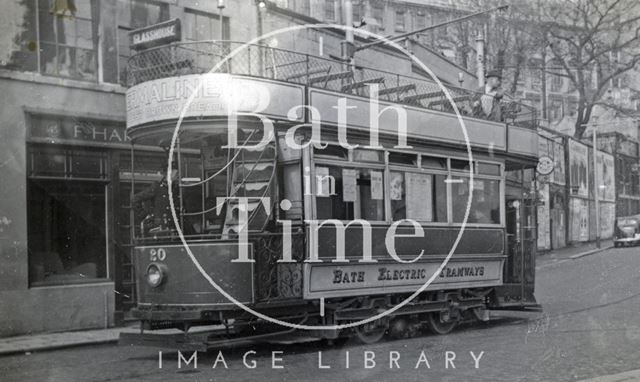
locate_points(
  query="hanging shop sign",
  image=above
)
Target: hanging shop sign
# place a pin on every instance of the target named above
(545, 165)
(156, 35)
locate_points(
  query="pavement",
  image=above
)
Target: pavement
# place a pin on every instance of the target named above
(51, 341)
(629, 376)
(569, 253)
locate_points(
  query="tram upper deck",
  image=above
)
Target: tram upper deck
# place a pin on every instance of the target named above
(286, 85)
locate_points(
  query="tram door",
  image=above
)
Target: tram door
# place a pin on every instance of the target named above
(521, 247)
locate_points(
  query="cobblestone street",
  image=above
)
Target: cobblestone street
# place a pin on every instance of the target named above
(589, 328)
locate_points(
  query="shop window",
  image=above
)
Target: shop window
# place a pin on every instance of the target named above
(61, 162)
(421, 197)
(485, 205)
(349, 193)
(66, 231)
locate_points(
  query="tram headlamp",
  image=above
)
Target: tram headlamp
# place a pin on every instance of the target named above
(155, 275)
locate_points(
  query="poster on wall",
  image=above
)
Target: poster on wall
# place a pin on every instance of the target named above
(579, 220)
(606, 184)
(607, 220)
(558, 174)
(544, 232)
(578, 168)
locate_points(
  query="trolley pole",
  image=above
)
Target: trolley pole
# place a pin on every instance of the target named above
(221, 7)
(480, 58)
(348, 45)
(596, 186)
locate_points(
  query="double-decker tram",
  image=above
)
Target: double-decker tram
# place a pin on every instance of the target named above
(319, 194)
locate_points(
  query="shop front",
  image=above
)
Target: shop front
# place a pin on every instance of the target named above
(61, 236)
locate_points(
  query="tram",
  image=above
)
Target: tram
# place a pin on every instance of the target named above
(294, 208)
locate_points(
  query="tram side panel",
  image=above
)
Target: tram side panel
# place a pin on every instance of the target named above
(477, 262)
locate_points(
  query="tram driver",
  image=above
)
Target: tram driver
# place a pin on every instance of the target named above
(158, 195)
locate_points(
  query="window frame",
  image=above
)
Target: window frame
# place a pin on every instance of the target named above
(57, 45)
(388, 167)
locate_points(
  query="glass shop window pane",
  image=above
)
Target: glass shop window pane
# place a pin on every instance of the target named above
(66, 231)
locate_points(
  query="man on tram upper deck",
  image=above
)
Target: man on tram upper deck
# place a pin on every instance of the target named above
(486, 103)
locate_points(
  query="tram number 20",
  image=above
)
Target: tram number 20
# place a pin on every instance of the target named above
(157, 254)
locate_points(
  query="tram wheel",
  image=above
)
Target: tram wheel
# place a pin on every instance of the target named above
(437, 325)
(371, 332)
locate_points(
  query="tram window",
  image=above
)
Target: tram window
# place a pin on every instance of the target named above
(485, 205)
(421, 197)
(403, 159)
(348, 193)
(360, 155)
(434, 162)
(332, 151)
(488, 168)
(460, 165)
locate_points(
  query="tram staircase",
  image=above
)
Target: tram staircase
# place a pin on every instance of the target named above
(252, 175)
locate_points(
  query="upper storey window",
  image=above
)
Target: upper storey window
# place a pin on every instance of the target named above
(59, 39)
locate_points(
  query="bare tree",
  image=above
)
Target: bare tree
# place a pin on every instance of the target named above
(593, 42)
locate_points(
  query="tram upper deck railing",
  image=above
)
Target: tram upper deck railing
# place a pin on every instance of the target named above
(317, 72)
